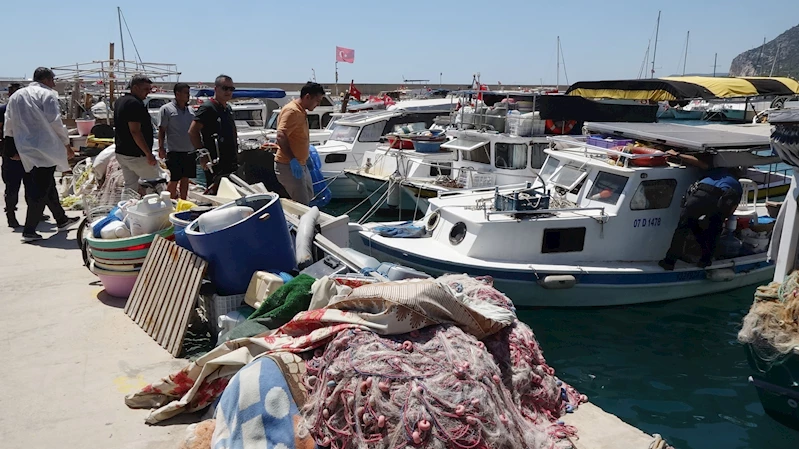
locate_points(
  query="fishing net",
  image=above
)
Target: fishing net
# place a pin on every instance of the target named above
(437, 388)
(771, 327)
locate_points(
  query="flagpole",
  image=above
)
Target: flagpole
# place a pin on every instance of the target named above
(336, 79)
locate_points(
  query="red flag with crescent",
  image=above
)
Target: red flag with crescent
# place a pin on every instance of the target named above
(345, 55)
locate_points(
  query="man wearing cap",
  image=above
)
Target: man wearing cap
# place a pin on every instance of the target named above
(33, 119)
(133, 135)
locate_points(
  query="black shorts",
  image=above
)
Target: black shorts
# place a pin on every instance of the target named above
(181, 165)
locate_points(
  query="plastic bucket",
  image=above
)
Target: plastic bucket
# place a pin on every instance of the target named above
(180, 220)
(85, 126)
(117, 283)
(260, 242)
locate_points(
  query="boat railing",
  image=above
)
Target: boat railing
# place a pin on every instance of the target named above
(545, 211)
(580, 144)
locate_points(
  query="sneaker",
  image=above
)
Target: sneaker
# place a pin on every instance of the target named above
(666, 265)
(704, 263)
(45, 217)
(67, 223)
(30, 237)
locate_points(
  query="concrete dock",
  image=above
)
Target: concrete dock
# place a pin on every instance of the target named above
(70, 354)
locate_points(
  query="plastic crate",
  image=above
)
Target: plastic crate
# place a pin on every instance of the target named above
(473, 180)
(608, 142)
(427, 147)
(521, 200)
(222, 305)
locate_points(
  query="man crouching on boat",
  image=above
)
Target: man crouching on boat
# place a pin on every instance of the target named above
(705, 207)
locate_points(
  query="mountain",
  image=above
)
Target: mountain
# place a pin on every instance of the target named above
(758, 61)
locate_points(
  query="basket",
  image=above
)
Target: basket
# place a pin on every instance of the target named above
(427, 146)
(521, 200)
(222, 305)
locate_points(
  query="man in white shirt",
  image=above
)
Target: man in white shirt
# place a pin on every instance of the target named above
(33, 119)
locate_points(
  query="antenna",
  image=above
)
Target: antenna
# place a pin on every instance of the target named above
(655, 51)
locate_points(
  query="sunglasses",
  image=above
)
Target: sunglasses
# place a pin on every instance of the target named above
(227, 88)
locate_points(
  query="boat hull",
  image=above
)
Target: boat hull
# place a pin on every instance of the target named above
(341, 187)
(774, 383)
(688, 115)
(592, 289)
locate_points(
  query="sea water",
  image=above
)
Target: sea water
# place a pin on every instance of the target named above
(673, 368)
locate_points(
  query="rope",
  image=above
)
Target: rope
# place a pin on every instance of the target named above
(365, 199)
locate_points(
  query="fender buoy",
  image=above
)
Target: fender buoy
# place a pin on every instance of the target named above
(654, 161)
(561, 126)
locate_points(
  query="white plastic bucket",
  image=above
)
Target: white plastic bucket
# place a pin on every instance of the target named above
(150, 215)
(84, 126)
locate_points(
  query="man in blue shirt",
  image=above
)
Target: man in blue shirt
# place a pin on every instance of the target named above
(706, 205)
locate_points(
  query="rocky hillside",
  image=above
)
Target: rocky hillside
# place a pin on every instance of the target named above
(751, 63)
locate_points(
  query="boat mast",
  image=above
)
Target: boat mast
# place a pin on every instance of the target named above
(760, 55)
(774, 63)
(685, 58)
(715, 58)
(557, 77)
(121, 38)
(655, 50)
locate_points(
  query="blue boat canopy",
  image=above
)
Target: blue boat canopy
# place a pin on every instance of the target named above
(246, 93)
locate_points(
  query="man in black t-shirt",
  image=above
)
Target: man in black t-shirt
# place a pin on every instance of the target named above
(133, 135)
(214, 129)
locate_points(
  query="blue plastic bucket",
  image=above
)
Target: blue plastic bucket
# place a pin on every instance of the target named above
(180, 220)
(260, 242)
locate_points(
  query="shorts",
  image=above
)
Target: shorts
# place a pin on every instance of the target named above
(181, 165)
(135, 168)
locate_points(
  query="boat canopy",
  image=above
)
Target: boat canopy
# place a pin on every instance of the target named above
(246, 93)
(676, 88)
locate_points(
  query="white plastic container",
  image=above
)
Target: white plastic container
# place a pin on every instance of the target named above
(115, 230)
(219, 219)
(149, 215)
(262, 284)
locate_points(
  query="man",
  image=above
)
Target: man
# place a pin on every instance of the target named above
(293, 139)
(214, 130)
(33, 119)
(12, 171)
(706, 205)
(133, 135)
(174, 144)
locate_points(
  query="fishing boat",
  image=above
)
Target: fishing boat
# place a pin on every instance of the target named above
(694, 110)
(355, 134)
(769, 332)
(591, 231)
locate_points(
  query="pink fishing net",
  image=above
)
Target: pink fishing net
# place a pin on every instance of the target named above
(437, 388)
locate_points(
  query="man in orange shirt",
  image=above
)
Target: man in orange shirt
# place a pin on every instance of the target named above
(293, 139)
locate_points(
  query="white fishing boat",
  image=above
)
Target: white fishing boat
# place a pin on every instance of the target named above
(694, 110)
(591, 231)
(355, 134)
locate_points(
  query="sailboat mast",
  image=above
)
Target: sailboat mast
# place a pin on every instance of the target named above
(121, 38)
(655, 50)
(776, 55)
(685, 58)
(715, 59)
(557, 77)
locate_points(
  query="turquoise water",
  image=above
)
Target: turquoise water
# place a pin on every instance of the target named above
(671, 368)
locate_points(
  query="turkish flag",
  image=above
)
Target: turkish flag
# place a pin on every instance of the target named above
(354, 92)
(345, 55)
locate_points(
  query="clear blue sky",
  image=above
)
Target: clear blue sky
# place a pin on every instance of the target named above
(512, 41)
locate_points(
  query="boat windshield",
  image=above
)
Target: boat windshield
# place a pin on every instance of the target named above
(344, 133)
(549, 168)
(272, 123)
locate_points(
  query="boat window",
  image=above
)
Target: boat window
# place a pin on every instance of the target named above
(272, 123)
(156, 103)
(566, 240)
(457, 233)
(653, 194)
(537, 154)
(335, 157)
(512, 156)
(373, 132)
(568, 176)
(607, 187)
(313, 121)
(480, 155)
(549, 167)
(325, 102)
(441, 169)
(463, 144)
(344, 133)
(326, 119)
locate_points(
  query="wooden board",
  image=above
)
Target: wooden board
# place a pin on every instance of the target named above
(165, 293)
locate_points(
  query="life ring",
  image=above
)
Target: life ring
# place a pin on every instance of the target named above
(153, 89)
(561, 126)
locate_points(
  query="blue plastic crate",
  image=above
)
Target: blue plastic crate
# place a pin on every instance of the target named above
(522, 200)
(426, 147)
(608, 142)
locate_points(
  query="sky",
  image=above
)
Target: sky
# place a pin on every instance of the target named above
(512, 41)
